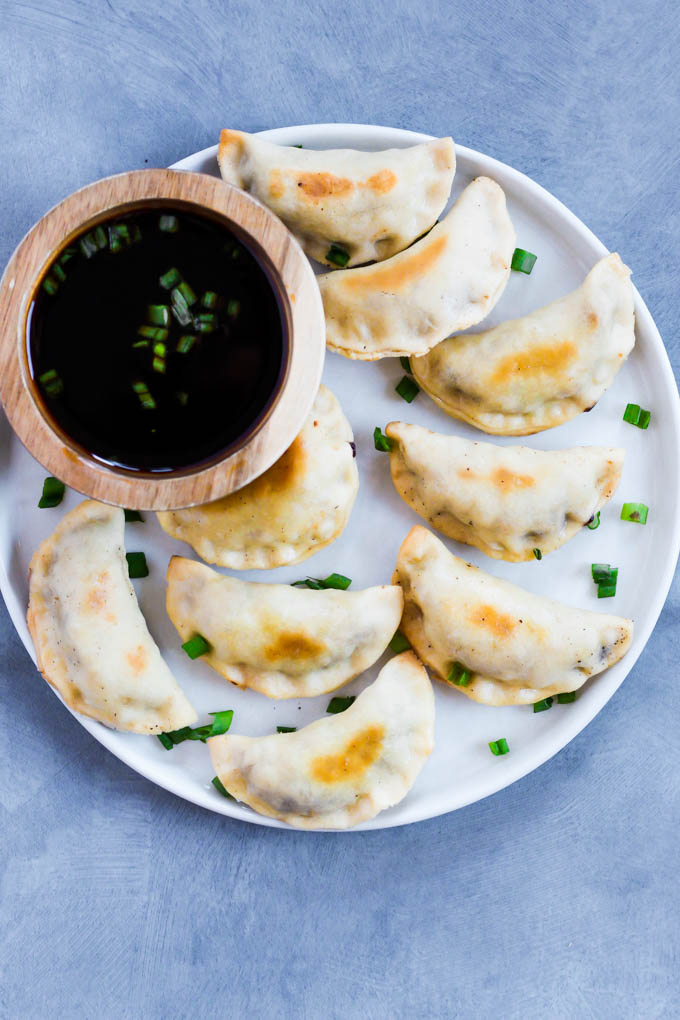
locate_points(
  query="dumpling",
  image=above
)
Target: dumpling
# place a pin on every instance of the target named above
(282, 641)
(533, 373)
(343, 769)
(90, 638)
(447, 281)
(370, 204)
(516, 647)
(298, 506)
(505, 500)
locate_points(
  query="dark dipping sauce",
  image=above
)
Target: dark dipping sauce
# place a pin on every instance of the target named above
(157, 340)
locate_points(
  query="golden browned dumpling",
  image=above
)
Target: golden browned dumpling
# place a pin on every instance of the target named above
(90, 638)
(283, 641)
(343, 769)
(301, 504)
(505, 500)
(533, 373)
(370, 204)
(447, 281)
(500, 644)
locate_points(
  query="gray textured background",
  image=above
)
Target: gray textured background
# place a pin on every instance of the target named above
(557, 897)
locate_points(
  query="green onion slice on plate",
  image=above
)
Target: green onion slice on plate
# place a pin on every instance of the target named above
(635, 512)
(523, 261)
(340, 704)
(52, 493)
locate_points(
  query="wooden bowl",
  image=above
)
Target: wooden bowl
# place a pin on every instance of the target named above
(290, 273)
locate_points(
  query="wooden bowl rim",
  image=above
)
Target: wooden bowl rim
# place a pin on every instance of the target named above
(293, 278)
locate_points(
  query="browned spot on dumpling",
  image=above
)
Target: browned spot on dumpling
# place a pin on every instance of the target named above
(293, 645)
(382, 182)
(98, 595)
(499, 624)
(276, 185)
(441, 155)
(138, 659)
(593, 320)
(508, 479)
(353, 760)
(324, 185)
(398, 276)
(230, 140)
(547, 359)
(280, 477)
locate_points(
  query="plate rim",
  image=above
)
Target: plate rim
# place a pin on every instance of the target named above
(551, 744)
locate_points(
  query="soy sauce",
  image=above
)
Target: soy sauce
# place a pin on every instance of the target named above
(157, 340)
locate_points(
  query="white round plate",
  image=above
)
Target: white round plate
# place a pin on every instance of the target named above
(461, 769)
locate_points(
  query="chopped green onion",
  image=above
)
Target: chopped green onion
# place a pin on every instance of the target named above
(180, 308)
(538, 554)
(606, 591)
(187, 293)
(99, 237)
(308, 582)
(140, 344)
(523, 261)
(196, 646)
(50, 285)
(635, 512)
(636, 415)
(405, 364)
(142, 391)
(399, 643)
(499, 746)
(165, 741)
(381, 442)
(119, 237)
(338, 581)
(185, 343)
(603, 572)
(408, 389)
(233, 308)
(217, 783)
(159, 349)
(221, 722)
(88, 245)
(51, 382)
(133, 515)
(296, 146)
(206, 322)
(52, 493)
(158, 315)
(182, 397)
(543, 705)
(566, 697)
(168, 224)
(170, 279)
(459, 675)
(286, 729)
(337, 255)
(594, 522)
(59, 272)
(67, 255)
(158, 365)
(210, 299)
(340, 704)
(136, 234)
(137, 565)
(152, 333)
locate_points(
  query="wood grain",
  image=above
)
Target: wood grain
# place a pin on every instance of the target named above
(291, 274)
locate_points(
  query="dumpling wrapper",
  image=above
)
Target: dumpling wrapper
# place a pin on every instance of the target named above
(505, 500)
(447, 281)
(539, 371)
(298, 506)
(519, 647)
(372, 204)
(90, 637)
(343, 769)
(282, 641)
